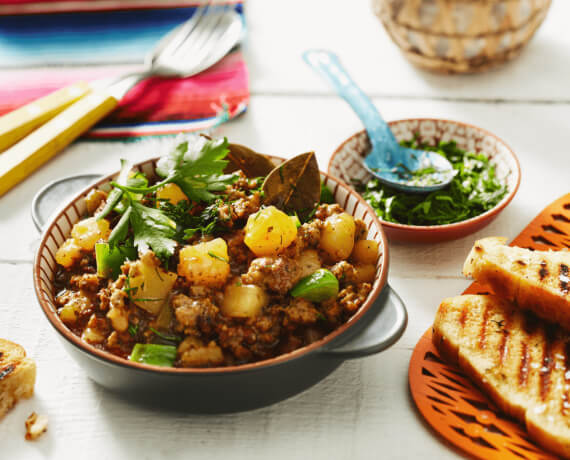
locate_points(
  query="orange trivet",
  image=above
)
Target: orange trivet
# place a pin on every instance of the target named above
(448, 400)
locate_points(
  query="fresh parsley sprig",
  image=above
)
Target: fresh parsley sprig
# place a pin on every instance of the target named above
(197, 170)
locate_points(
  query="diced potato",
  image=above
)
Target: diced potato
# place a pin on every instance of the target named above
(205, 264)
(68, 253)
(119, 318)
(365, 252)
(365, 273)
(309, 262)
(149, 285)
(269, 231)
(243, 300)
(192, 352)
(337, 237)
(88, 231)
(170, 192)
(67, 314)
(94, 199)
(93, 336)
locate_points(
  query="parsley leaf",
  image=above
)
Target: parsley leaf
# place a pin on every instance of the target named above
(152, 228)
(196, 169)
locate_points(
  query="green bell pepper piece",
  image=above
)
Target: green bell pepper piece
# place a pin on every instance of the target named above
(109, 260)
(319, 286)
(154, 354)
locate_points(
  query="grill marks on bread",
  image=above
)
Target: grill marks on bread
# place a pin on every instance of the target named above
(538, 281)
(519, 360)
(564, 278)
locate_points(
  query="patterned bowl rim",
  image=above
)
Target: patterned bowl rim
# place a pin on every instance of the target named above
(66, 333)
(457, 225)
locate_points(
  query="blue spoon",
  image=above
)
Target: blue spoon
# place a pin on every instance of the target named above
(403, 168)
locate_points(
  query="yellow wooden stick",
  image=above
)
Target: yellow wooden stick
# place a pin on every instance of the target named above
(20, 122)
(19, 161)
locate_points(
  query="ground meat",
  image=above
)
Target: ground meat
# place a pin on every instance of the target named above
(360, 231)
(226, 216)
(309, 234)
(312, 334)
(332, 311)
(350, 299)
(87, 264)
(327, 210)
(194, 314)
(104, 296)
(344, 272)
(256, 337)
(244, 207)
(238, 340)
(277, 274)
(301, 311)
(88, 282)
(238, 252)
(290, 343)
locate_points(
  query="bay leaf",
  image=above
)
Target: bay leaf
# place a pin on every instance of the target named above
(295, 185)
(253, 164)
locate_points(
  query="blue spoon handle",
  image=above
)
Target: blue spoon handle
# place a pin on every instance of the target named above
(329, 66)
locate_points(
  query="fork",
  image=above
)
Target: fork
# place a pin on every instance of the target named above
(190, 48)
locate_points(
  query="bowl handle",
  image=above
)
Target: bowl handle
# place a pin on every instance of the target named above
(388, 322)
(51, 196)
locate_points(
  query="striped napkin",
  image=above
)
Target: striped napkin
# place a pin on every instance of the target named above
(58, 6)
(40, 53)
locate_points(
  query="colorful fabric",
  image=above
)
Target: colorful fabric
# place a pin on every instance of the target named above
(12, 7)
(41, 53)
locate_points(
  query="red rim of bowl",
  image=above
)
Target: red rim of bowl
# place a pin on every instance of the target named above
(457, 225)
(56, 322)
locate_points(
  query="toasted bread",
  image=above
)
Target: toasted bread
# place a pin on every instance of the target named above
(17, 375)
(534, 280)
(520, 361)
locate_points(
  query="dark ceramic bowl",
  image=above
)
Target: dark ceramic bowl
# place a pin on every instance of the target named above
(346, 164)
(376, 325)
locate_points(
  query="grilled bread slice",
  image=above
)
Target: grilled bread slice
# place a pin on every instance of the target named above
(17, 375)
(520, 361)
(534, 280)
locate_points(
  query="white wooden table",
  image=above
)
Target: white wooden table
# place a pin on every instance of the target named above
(363, 410)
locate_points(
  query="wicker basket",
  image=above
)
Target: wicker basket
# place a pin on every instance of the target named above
(461, 36)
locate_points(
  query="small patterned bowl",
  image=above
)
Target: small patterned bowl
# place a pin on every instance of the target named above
(346, 164)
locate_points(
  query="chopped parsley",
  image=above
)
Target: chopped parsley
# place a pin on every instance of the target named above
(216, 256)
(206, 222)
(133, 329)
(168, 337)
(473, 191)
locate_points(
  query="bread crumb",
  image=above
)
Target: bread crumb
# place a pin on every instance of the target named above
(36, 425)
